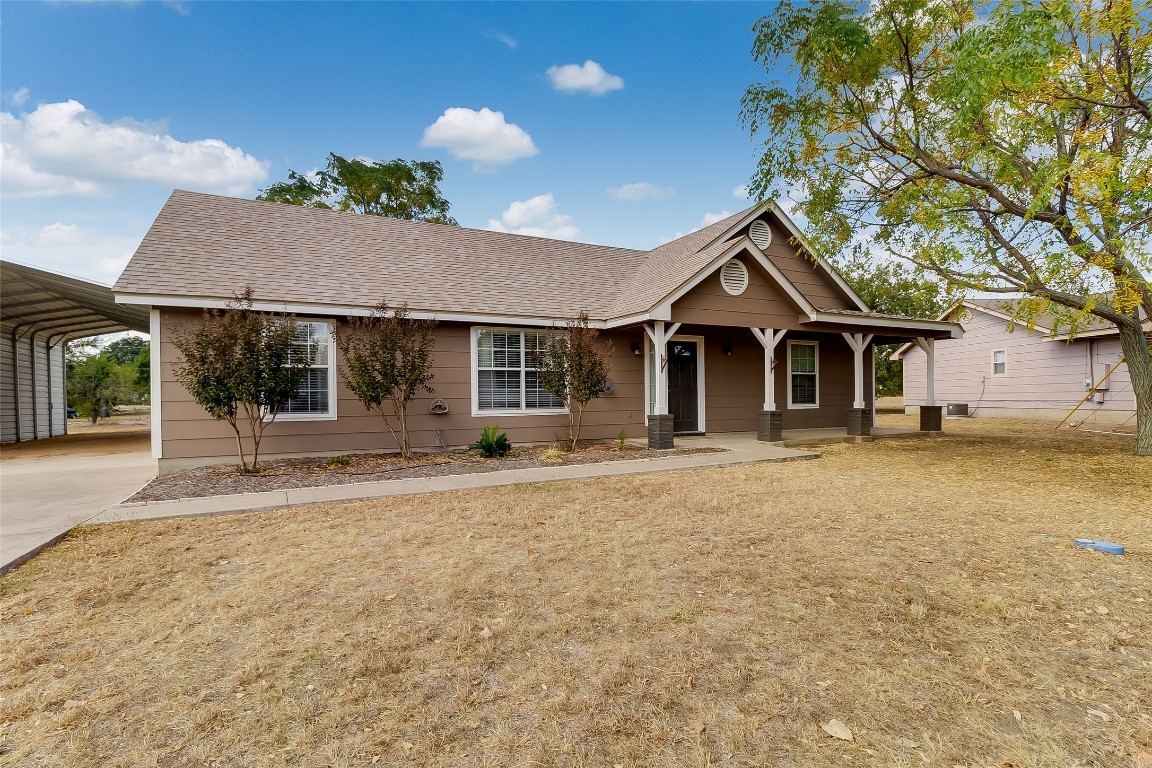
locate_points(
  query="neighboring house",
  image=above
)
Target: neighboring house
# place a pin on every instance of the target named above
(695, 324)
(1004, 368)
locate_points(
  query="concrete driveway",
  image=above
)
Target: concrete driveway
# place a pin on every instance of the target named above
(49, 486)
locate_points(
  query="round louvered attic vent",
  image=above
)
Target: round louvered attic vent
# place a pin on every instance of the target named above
(760, 233)
(734, 277)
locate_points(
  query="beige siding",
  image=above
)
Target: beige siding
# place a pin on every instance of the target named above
(189, 432)
(733, 397)
(763, 304)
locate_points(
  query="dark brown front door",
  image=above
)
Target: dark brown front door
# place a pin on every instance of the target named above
(682, 400)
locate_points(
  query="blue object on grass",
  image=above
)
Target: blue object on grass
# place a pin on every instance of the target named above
(1103, 546)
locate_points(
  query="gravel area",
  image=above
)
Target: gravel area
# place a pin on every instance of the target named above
(282, 474)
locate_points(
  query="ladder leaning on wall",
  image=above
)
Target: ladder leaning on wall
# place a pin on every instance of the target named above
(1091, 392)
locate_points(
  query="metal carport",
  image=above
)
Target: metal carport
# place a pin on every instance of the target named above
(39, 312)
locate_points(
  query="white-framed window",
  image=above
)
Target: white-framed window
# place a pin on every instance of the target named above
(999, 362)
(803, 374)
(316, 397)
(504, 379)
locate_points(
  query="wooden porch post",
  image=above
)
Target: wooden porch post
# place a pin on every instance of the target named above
(931, 418)
(660, 423)
(770, 422)
(859, 417)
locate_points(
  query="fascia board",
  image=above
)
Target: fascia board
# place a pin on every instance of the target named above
(201, 302)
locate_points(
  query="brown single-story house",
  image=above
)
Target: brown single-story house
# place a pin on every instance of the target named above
(737, 327)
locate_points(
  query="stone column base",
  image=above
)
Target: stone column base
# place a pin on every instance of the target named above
(859, 422)
(931, 418)
(660, 432)
(769, 426)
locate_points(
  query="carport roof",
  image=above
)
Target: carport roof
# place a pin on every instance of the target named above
(61, 307)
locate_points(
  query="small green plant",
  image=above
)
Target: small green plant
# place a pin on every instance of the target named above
(552, 456)
(492, 443)
(621, 439)
(338, 461)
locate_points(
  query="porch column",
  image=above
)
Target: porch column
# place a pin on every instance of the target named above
(859, 416)
(770, 423)
(931, 415)
(660, 423)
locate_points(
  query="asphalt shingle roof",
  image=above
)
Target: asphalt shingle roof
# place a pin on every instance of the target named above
(210, 246)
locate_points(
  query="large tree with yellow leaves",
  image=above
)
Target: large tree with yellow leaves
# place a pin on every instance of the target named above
(1006, 147)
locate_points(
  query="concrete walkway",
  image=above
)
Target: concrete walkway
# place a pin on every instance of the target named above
(50, 486)
(742, 448)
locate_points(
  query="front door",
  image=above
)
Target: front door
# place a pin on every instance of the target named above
(683, 403)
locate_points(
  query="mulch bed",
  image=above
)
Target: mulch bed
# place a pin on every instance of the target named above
(282, 474)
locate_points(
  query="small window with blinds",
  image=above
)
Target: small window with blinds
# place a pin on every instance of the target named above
(803, 375)
(734, 277)
(505, 374)
(314, 399)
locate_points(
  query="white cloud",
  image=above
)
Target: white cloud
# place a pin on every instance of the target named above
(18, 97)
(64, 149)
(589, 77)
(71, 250)
(642, 190)
(508, 40)
(741, 192)
(538, 217)
(712, 218)
(483, 137)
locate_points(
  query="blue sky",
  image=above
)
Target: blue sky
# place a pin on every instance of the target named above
(612, 123)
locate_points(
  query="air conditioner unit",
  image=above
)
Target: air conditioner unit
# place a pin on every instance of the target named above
(957, 409)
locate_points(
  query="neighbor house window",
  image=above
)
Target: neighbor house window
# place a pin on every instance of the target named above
(505, 373)
(1000, 362)
(803, 372)
(314, 399)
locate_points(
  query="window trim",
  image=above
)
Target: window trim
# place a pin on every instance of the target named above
(992, 358)
(333, 394)
(816, 346)
(474, 369)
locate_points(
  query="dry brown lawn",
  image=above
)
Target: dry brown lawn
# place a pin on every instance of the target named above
(924, 592)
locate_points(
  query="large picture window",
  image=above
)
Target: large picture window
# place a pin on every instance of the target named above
(505, 373)
(803, 375)
(316, 397)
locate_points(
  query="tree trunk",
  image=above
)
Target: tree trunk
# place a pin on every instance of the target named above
(401, 413)
(575, 434)
(1138, 358)
(239, 446)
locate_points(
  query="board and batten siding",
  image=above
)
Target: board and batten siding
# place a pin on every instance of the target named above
(41, 393)
(1043, 377)
(189, 432)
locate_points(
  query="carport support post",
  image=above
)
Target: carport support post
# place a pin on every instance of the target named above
(859, 416)
(769, 424)
(931, 416)
(660, 434)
